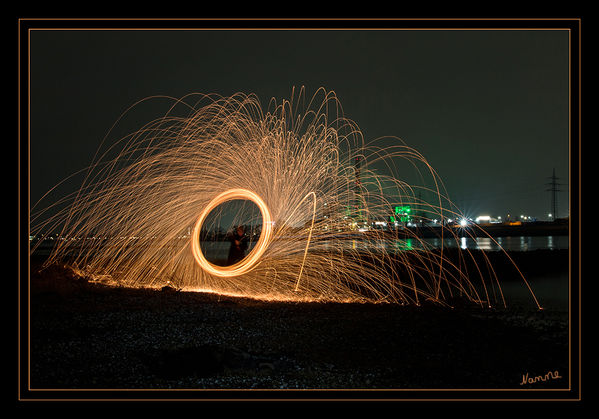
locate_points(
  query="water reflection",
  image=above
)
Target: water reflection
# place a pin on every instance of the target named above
(484, 243)
(214, 250)
(519, 244)
(403, 245)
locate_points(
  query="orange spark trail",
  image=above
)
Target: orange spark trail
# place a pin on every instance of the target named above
(140, 214)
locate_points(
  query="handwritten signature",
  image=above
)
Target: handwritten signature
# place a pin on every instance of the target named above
(551, 375)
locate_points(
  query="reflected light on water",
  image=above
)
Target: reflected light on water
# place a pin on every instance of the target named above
(403, 245)
(484, 243)
(480, 243)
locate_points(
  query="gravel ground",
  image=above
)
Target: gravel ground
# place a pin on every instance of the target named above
(89, 336)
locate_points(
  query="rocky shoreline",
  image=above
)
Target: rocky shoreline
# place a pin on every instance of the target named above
(88, 336)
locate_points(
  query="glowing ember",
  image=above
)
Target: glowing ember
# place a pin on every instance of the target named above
(138, 218)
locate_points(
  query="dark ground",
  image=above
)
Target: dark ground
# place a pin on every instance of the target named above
(86, 336)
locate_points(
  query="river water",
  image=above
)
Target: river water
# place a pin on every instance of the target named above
(219, 250)
(216, 250)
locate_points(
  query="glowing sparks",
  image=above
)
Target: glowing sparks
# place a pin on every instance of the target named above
(318, 187)
(253, 258)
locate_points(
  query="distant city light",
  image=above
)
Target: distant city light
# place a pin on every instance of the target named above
(487, 219)
(463, 222)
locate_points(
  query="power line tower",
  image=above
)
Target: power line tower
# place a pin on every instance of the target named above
(553, 188)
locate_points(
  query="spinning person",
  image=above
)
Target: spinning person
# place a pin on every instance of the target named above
(238, 246)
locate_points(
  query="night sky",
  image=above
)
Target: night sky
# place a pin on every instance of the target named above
(487, 108)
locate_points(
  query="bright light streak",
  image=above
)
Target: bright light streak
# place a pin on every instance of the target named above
(158, 184)
(253, 258)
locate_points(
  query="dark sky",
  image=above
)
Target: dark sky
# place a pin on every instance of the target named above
(487, 108)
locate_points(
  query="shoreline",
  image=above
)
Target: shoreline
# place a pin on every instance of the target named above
(85, 336)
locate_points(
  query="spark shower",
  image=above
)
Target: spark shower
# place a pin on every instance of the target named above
(137, 219)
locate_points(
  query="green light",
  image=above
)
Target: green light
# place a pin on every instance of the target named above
(403, 212)
(404, 209)
(403, 245)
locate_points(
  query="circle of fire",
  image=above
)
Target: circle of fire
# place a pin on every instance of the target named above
(250, 261)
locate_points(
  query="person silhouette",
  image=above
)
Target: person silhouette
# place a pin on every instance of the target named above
(238, 246)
